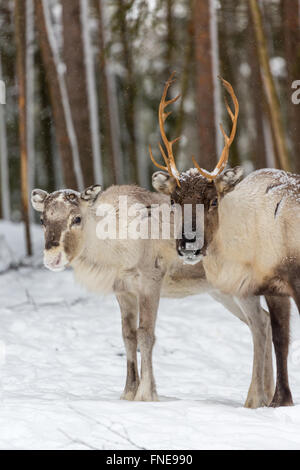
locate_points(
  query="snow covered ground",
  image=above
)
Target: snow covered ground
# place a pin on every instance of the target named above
(62, 371)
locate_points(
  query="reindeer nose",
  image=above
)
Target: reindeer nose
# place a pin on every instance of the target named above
(188, 245)
(51, 244)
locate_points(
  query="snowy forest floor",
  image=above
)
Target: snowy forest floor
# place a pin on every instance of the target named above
(63, 369)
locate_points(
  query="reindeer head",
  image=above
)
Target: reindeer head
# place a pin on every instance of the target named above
(196, 186)
(63, 215)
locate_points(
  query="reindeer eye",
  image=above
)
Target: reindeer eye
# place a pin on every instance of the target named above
(214, 202)
(42, 221)
(172, 202)
(77, 220)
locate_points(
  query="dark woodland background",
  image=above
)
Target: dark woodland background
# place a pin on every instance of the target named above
(84, 79)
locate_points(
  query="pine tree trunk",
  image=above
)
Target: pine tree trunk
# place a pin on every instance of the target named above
(30, 80)
(229, 64)
(60, 120)
(44, 128)
(91, 90)
(258, 145)
(129, 88)
(20, 23)
(73, 56)
(273, 101)
(5, 187)
(204, 84)
(112, 157)
(291, 33)
(170, 39)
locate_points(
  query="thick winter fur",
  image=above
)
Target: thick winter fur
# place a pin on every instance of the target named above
(252, 245)
(139, 272)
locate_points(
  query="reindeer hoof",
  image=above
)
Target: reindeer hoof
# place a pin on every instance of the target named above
(283, 402)
(282, 399)
(256, 402)
(269, 396)
(144, 395)
(128, 395)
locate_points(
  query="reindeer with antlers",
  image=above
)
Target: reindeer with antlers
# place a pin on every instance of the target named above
(251, 232)
(138, 272)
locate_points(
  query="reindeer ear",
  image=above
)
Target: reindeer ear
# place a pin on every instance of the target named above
(162, 182)
(91, 193)
(38, 197)
(229, 179)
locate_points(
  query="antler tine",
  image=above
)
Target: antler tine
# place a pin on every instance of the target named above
(161, 167)
(162, 116)
(227, 140)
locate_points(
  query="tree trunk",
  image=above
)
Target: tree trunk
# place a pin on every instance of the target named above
(129, 89)
(111, 126)
(20, 22)
(72, 178)
(185, 77)
(229, 64)
(91, 91)
(258, 145)
(204, 84)
(45, 129)
(30, 80)
(273, 101)
(170, 39)
(291, 34)
(5, 188)
(73, 56)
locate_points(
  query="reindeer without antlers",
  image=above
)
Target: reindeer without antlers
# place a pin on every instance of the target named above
(239, 216)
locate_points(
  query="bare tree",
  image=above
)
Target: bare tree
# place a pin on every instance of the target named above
(20, 24)
(91, 90)
(5, 187)
(258, 145)
(30, 79)
(272, 98)
(111, 125)
(123, 7)
(291, 34)
(76, 81)
(66, 137)
(204, 83)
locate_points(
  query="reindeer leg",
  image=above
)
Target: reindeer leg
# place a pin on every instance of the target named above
(146, 339)
(261, 389)
(269, 385)
(129, 309)
(262, 384)
(279, 308)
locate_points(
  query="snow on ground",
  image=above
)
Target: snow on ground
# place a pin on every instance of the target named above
(63, 369)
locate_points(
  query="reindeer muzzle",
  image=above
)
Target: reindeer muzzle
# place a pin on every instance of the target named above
(190, 248)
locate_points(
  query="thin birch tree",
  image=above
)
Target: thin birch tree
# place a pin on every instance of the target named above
(272, 97)
(30, 79)
(291, 34)
(5, 186)
(20, 26)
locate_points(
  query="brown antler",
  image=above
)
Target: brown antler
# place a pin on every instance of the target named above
(162, 116)
(228, 140)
